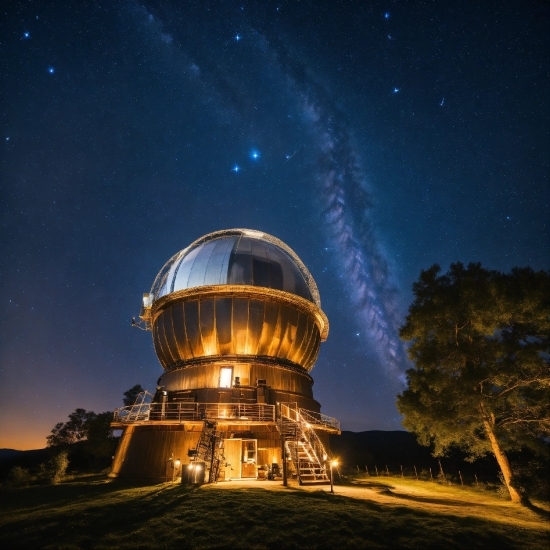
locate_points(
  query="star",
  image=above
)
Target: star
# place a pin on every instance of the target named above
(442, 102)
(51, 70)
(238, 37)
(387, 15)
(235, 169)
(26, 35)
(255, 155)
(396, 90)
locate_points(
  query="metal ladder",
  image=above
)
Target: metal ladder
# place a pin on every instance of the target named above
(210, 449)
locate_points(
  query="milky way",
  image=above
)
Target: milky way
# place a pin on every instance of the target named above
(347, 202)
(343, 197)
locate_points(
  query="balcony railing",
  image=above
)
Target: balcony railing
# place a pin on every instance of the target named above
(187, 412)
(252, 412)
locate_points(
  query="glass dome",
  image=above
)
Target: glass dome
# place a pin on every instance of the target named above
(236, 257)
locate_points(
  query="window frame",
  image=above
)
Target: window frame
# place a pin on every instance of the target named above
(220, 378)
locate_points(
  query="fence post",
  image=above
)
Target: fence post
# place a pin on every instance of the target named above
(377, 474)
(460, 476)
(431, 476)
(402, 471)
(415, 472)
(441, 469)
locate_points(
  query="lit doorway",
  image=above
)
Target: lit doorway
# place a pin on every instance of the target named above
(241, 456)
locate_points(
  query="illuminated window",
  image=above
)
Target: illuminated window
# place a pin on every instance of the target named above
(226, 377)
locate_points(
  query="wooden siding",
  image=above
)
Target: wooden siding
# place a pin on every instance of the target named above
(204, 376)
(144, 451)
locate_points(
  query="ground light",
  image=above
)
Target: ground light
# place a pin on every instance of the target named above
(333, 464)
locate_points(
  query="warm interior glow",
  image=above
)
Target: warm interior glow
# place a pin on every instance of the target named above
(226, 377)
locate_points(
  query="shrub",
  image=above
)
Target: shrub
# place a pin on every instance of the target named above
(57, 467)
(19, 477)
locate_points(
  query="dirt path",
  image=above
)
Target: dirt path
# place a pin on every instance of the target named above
(433, 498)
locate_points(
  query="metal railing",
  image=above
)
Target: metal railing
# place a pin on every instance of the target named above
(309, 418)
(320, 420)
(186, 412)
(255, 412)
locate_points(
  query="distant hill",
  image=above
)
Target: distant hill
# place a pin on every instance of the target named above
(27, 459)
(399, 448)
(8, 453)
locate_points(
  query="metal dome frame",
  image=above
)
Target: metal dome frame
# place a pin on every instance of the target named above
(160, 279)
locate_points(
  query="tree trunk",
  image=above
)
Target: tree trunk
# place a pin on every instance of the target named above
(504, 465)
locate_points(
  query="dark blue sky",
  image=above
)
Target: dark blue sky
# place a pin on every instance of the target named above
(390, 136)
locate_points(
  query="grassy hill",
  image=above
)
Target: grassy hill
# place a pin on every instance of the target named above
(388, 513)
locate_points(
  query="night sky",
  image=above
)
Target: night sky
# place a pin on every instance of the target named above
(374, 138)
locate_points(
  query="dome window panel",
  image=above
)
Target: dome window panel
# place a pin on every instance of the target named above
(261, 272)
(181, 276)
(216, 271)
(199, 269)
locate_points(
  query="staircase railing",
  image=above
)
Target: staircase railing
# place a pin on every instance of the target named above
(303, 444)
(314, 419)
(319, 420)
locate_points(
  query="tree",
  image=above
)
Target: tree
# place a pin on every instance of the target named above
(130, 396)
(100, 440)
(76, 429)
(479, 341)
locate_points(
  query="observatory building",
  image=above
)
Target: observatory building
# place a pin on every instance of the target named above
(237, 324)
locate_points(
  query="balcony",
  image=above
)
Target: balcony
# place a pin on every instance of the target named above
(178, 413)
(194, 412)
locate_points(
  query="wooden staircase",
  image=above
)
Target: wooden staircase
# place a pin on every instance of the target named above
(304, 446)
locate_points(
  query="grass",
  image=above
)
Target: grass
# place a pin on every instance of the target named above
(375, 513)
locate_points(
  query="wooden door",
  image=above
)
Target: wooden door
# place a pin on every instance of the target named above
(249, 457)
(232, 453)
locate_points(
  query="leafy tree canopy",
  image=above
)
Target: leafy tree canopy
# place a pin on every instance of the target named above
(479, 341)
(74, 430)
(131, 395)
